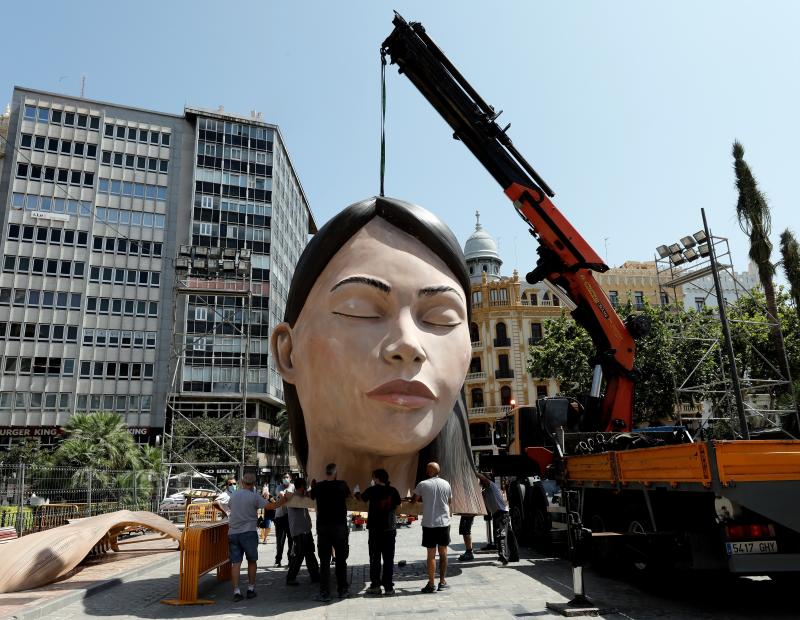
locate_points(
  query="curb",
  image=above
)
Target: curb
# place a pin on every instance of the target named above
(36, 611)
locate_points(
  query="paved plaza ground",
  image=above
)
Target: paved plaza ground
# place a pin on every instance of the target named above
(480, 589)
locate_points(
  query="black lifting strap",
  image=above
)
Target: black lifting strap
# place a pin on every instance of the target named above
(383, 118)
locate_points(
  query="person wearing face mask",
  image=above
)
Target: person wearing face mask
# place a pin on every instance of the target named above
(223, 499)
(282, 532)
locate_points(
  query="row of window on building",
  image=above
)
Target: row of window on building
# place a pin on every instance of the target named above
(60, 236)
(501, 334)
(121, 307)
(119, 275)
(43, 266)
(42, 114)
(35, 298)
(499, 297)
(130, 218)
(134, 134)
(116, 370)
(135, 162)
(36, 202)
(65, 367)
(35, 172)
(135, 190)
(638, 299)
(49, 401)
(116, 338)
(128, 247)
(55, 145)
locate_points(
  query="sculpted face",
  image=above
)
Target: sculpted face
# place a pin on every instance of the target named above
(380, 350)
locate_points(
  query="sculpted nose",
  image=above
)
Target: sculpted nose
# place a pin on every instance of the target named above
(402, 344)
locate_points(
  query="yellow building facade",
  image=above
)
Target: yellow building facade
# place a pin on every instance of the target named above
(508, 316)
(637, 280)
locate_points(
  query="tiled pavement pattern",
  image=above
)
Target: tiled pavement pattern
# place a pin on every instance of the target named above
(480, 589)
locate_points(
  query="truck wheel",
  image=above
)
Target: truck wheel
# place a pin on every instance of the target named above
(518, 525)
(540, 530)
(638, 560)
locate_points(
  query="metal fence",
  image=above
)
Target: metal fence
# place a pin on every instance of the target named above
(35, 498)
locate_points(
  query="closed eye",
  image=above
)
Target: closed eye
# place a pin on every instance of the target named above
(442, 316)
(357, 316)
(357, 307)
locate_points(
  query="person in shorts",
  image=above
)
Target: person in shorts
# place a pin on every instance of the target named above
(465, 531)
(436, 495)
(244, 505)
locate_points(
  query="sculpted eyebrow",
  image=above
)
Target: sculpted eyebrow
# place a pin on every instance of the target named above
(381, 286)
(436, 290)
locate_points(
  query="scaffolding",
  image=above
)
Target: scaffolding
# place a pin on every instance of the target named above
(743, 403)
(209, 363)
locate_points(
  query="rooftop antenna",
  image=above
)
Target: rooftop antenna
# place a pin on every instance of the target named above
(83, 85)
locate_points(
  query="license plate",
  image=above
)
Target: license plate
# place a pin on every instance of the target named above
(756, 546)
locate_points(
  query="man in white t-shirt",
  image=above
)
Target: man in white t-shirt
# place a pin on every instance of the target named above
(435, 494)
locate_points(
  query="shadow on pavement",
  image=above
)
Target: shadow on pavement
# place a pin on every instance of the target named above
(696, 594)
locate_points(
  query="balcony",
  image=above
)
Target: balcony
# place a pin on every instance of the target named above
(472, 377)
(534, 341)
(477, 345)
(502, 342)
(488, 412)
(504, 373)
(499, 303)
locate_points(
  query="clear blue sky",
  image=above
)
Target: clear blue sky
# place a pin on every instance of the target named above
(627, 109)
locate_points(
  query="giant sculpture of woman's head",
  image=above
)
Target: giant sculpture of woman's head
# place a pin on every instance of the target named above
(374, 348)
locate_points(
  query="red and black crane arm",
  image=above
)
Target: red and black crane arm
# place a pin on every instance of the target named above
(565, 258)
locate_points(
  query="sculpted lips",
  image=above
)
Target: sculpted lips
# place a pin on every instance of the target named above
(406, 394)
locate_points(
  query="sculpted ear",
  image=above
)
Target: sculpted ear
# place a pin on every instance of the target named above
(281, 348)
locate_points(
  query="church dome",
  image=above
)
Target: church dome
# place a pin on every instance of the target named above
(480, 243)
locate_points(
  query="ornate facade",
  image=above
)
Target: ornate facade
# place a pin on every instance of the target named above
(508, 316)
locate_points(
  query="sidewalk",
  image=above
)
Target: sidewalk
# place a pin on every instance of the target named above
(90, 578)
(482, 589)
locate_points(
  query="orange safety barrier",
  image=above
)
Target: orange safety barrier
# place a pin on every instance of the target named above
(204, 547)
(203, 512)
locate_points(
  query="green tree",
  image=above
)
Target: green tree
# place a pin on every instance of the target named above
(100, 440)
(790, 259)
(29, 451)
(563, 353)
(211, 440)
(755, 221)
(663, 359)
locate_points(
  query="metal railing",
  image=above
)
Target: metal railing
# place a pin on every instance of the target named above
(36, 497)
(497, 411)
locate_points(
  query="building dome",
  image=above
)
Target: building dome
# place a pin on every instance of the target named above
(480, 251)
(480, 243)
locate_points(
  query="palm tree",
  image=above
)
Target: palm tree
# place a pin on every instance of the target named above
(755, 221)
(99, 440)
(790, 253)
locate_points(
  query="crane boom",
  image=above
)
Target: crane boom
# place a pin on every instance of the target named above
(565, 258)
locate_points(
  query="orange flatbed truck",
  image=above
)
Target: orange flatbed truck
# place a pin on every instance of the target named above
(721, 505)
(716, 504)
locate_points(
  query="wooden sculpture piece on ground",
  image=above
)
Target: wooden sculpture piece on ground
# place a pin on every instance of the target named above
(41, 558)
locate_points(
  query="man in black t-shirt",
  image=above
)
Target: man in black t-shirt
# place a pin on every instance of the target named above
(332, 532)
(383, 500)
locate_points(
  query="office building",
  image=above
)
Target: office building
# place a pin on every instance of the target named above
(97, 200)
